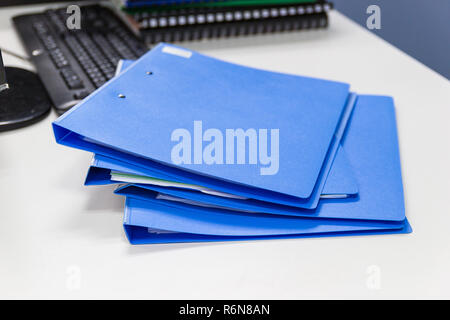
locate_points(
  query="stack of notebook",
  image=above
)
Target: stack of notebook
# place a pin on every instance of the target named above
(205, 150)
(172, 21)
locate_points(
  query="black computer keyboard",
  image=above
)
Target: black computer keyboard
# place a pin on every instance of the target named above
(73, 63)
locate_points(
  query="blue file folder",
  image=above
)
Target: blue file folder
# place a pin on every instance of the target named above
(372, 146)
(142, 235)
(171, 87)
(248, 227)
(340, 182)
(372, 149)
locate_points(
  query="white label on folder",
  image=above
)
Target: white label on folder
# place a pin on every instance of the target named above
(177, 52)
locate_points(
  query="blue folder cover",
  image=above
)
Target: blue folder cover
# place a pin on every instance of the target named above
(339, 182)
(156, 219)
(143, 235)
(372, 147)
(171, 88)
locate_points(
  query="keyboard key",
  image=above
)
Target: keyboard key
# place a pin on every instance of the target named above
(72, 80)
(58, 58)
(81, 95)
(82, 60)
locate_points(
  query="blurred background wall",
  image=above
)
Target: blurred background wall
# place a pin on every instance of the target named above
(421, 28)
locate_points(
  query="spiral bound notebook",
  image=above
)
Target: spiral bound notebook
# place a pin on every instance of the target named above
(132, 4)
(173, 24)
(154, 19)
(235, 29)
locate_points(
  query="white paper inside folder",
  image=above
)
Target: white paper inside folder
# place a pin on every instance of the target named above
(132, 178)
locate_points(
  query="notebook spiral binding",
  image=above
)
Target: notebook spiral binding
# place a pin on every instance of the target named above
(197, 24)
(233, 29)
(195, 16)
(139, 3)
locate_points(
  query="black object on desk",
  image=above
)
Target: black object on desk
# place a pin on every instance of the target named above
(23, 99)
(6, 3)
(3, 83)
(74, 62)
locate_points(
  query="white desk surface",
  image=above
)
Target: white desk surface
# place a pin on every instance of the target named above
(59, 239)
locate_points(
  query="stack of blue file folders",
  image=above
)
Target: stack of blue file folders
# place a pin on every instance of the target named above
(206, 150)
